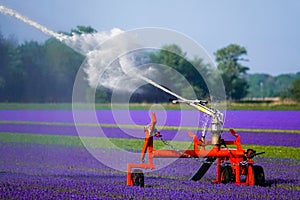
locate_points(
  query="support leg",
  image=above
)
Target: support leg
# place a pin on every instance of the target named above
(250, 177)
(218, 172)
(129, 180)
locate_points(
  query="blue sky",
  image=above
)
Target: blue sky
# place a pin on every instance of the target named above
(269, 30)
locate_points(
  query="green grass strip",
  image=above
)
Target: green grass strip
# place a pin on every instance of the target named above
(142, 126)
(263, 130)
(276, 151)
(134, 144)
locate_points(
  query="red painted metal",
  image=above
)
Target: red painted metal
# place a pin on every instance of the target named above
(235, 156)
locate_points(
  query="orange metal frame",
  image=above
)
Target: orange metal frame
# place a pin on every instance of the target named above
(234, 156)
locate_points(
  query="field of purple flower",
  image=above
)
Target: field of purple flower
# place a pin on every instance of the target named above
(29, 170)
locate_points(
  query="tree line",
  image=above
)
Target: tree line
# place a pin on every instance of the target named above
(45, 72)
(33, 72)
(265, 85)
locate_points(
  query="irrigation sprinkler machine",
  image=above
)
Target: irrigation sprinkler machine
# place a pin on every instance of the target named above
(233, 165)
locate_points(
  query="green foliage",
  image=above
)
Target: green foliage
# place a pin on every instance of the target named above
(80, 30)
(295, 90)
(103, 95)
(62, 64)
(11, 70)
(264, 85)
(192, 70)
(232, 70)
(239, 88)
(34, 72)
(83, 29)
(262, 106)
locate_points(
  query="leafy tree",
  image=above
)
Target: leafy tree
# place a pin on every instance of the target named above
(80, 30)
(295, 90)
(265, 85)
(239, 88)
(173, 57)
(83, 29)
(232, 71)
(36, 73)
(103, 95)
(4, 62)
(62, 63)
(11, 70)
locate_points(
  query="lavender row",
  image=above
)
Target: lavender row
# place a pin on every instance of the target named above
(264, 138)
(18, 186)
(238, 119)
(71, 159)
(93, 131)
(47, 171)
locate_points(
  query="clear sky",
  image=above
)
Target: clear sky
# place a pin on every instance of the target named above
(268, 29)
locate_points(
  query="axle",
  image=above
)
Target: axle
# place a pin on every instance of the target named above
(231, 163)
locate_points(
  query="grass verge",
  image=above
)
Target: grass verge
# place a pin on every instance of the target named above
(133, 144)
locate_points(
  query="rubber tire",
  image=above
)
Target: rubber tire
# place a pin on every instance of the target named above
(137, 177)
(226, 175)
(259, 175)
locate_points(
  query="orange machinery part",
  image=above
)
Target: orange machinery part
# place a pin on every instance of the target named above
(235, 156)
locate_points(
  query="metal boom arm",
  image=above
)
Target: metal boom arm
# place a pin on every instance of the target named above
(193, 103)
(217, 116)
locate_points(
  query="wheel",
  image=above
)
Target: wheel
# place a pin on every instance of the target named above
(137, 177)
(226, 174)
(259, 175)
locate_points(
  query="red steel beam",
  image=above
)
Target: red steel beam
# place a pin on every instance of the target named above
(196, 154)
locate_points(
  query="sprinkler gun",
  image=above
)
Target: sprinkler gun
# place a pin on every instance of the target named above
(217, 117)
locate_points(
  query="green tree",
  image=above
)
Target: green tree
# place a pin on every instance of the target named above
(80, 30)
(36, 72)
(173, 57)
(11, 70)
(265, 85)
(83, 29)
(62, 63)
(295, 90)
(232, 71)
